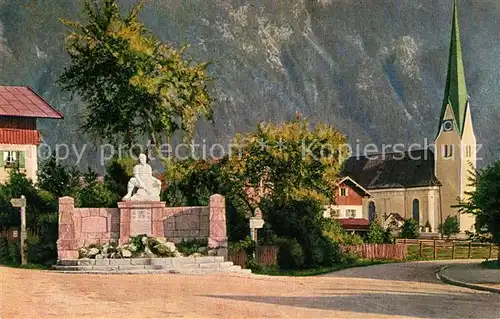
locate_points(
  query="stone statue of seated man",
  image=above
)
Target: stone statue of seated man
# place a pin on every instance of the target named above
(147, 187)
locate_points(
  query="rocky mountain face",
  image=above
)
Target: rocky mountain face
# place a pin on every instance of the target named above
(375, 69)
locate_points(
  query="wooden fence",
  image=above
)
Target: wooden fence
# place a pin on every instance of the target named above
(265, 255)
(403, 248)
(450, 249)
(379, 251)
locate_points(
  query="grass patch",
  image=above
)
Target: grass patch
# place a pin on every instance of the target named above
(28, 266)
(491, 264)
(478, 251)
(275, 271)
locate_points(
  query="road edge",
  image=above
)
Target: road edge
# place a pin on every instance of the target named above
(441, 276)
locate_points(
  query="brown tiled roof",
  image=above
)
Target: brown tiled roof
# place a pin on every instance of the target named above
(354, 223)
(394, 170)
(24, 102)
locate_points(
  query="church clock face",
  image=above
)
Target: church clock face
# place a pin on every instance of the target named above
(448, 125)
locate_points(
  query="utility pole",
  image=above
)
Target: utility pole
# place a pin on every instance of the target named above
(21, 203)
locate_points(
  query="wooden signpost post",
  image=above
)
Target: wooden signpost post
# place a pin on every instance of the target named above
(21, 203)
(256, 222)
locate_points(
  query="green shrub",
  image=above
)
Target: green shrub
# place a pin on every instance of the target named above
(349, 257)
(4, 250)
(376, 233)
(451, 226)
(301, 219)
(41, 252)
(352, 240)
(410, 229)
(290, 254)
(192, 246)
(14, 253)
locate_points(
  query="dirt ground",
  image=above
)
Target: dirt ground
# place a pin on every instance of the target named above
(392, 290)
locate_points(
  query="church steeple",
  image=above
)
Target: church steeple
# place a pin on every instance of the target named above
(455, 93)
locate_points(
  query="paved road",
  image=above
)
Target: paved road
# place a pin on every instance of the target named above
(382, 291)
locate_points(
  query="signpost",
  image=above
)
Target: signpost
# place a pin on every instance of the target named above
(21, 203)
(256, 223)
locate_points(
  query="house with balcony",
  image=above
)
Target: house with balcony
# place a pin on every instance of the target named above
(20, 107)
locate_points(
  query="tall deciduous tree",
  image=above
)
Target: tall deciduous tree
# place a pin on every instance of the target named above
(290, 158)
(131, 82)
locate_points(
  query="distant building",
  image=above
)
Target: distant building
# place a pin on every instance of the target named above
(19, 137)
(348, 209)
(421, 184)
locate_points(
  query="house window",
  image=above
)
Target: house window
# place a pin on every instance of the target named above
(350, 213)
(343, 191)
(10, 159)
(335, 213)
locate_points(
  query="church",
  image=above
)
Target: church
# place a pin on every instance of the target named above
(421, 184)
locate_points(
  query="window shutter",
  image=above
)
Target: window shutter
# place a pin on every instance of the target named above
(1, 158)
(22, 160)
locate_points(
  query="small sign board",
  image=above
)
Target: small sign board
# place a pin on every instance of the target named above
(256, 222)
(18, 202)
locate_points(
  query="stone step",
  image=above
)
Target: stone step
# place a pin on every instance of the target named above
(142, 261)
(199, 271)
(183, 265)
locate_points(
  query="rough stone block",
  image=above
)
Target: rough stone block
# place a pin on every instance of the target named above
(94, 224)
(103, 212)
(161, 261)
(86, 262)
(84, 212)
(131, 267)
(66, 244)
(140, 261)
(66, 232)
(67, 254)
(94, 211)
(66, 200)
(194, 233)
(209, 265)
(102, 262)
(205, 259)
(205, 225)
(68, 262)
(120, 262)
(115, 227)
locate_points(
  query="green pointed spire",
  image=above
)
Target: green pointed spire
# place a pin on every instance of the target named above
(456, 91)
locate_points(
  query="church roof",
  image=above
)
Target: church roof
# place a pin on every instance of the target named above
(455, 92)
(393, 170)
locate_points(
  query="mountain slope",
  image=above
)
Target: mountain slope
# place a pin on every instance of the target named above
(374, 69)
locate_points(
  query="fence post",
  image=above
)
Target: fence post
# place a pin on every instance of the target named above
(453, 250)
(470, 248)
(435, 250)
(421, 249)
(491, 250)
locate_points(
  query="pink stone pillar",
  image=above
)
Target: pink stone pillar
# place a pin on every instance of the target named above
(66, 248)
(153, 226)
(218, 234)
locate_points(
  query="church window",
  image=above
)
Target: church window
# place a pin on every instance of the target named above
(371, 211)
(468, 151)
(416, 210)
(343, 191)
(448, 151)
